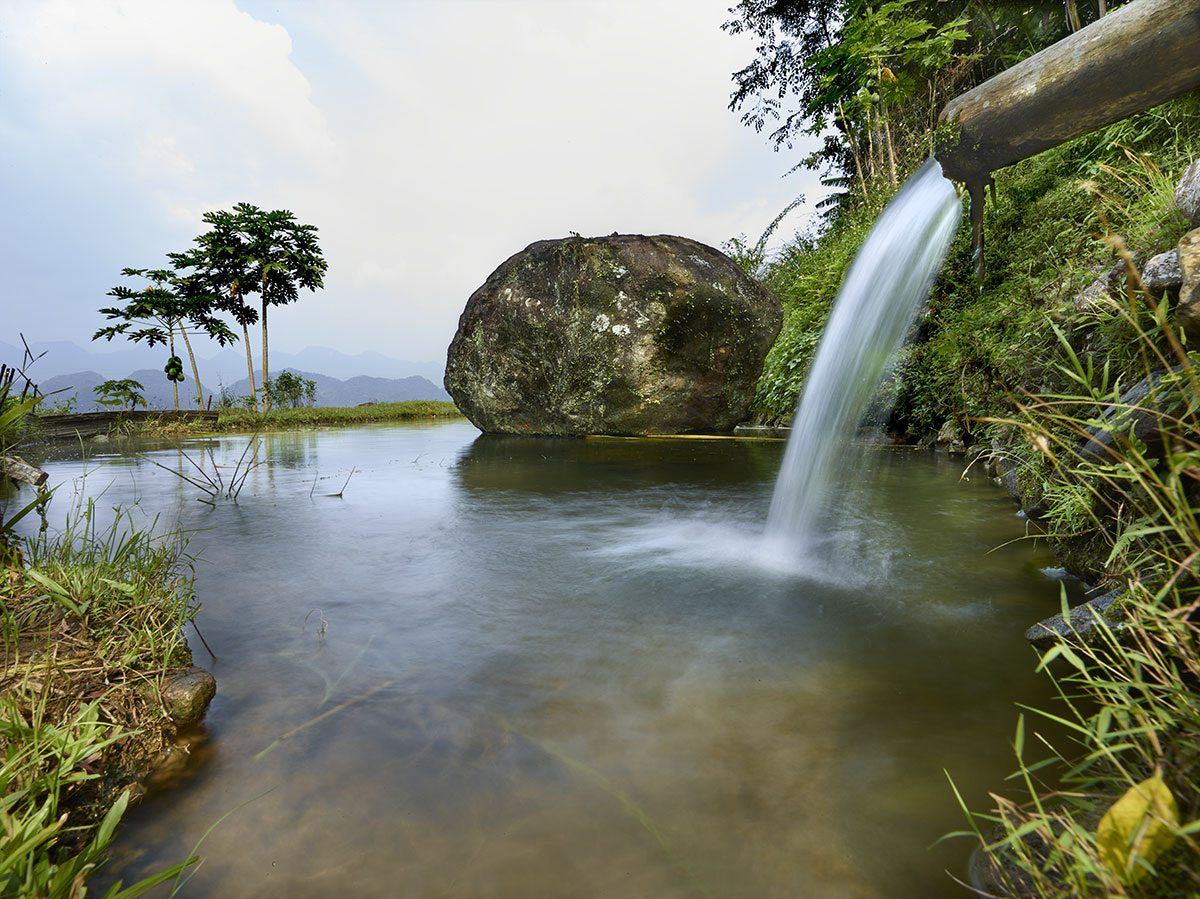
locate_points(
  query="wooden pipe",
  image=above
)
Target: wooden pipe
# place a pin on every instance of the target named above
(1139, 55)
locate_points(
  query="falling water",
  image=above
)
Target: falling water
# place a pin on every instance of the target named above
(886, 283)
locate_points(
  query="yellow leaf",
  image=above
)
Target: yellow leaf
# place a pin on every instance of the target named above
(886, 74)
(1141, 824)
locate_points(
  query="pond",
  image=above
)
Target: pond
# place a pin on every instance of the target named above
(508, 667)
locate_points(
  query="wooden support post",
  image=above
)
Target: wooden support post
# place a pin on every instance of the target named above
(976, 190)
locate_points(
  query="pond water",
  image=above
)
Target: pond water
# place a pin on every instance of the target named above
(507, 667)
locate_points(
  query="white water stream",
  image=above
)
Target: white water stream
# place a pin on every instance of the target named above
(888, 280)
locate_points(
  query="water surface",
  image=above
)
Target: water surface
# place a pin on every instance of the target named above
(566, 668)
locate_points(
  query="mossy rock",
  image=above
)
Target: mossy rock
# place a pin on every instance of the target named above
(626, 334)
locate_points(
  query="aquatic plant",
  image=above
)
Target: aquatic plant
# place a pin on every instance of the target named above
(215, 484)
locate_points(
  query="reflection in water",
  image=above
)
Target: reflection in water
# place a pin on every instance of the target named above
(557, 668)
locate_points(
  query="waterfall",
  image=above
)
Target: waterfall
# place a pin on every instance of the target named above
(888, 280)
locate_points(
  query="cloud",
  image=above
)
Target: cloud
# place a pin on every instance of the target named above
(427, 140)
(187, 93)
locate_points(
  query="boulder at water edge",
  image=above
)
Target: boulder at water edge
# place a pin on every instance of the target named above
(612, 335)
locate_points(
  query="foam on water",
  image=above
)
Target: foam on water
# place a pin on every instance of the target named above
(888, 280)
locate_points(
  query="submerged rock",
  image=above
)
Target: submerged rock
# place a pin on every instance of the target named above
(613, 335)
(1088, 623)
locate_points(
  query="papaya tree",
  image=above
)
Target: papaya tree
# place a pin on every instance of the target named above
(123, 392)
(213, 276)
(168, 303)
(250, 251)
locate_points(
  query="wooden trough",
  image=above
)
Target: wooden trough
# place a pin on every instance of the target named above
(1136, 57)
(94, 424)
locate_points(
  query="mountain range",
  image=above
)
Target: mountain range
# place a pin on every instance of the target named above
(61, 357)
(65, 370)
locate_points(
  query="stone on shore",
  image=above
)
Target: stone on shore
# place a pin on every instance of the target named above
(1187, 312)
(1088, 623)
(187, 693)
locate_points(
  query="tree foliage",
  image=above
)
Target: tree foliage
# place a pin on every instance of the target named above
(870, 77)
(152, 314)
(290, 390)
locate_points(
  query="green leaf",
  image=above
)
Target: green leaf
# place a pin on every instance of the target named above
(54, 589)
(108, 826)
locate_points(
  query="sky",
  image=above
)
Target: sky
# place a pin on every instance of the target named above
(428, 141)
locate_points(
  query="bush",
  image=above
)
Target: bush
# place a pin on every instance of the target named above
(290, 391)
(125, 392)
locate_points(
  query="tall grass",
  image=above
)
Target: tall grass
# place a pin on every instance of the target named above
(90, 621)
(1115, 811)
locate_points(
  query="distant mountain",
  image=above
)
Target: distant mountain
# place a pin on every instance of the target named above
(61, 357)
(79, 386)
(360, 389)
(117, 360)
(231, 363)
(158, 393)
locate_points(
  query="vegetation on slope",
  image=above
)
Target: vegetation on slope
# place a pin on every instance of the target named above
(1043, 232)
(1035, 365)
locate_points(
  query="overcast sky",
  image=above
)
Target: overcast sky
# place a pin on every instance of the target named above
(428, 140)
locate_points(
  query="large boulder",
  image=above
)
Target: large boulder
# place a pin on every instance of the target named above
(612, 335)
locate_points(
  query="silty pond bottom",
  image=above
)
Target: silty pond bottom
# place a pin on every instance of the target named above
(567, 668)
